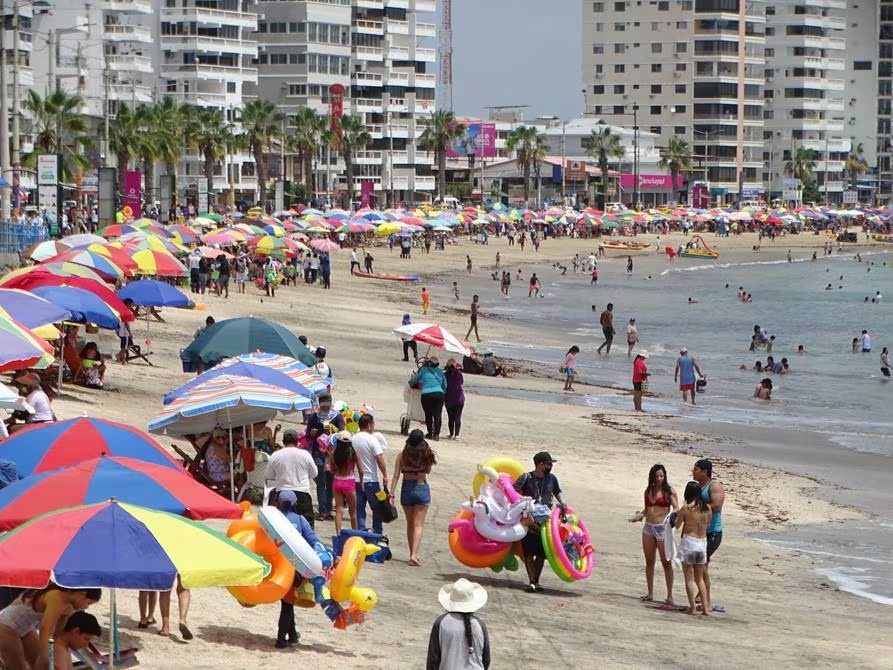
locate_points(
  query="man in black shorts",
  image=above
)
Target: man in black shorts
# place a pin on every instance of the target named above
(607, 322)
(541, 485)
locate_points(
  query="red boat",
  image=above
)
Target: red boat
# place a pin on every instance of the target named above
(389, 277)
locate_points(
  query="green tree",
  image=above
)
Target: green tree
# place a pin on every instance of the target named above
(261, 122)
(676, 158)
(169, 121)
(801, 165)
(307, 136)
(126, 138)
(856, 164)
(209, 133)
(603, 145)
(59, 127)
(354, 137)
(529, 146)
(441, 129)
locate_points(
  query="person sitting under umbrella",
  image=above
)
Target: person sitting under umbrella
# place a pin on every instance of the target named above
(78, 634)
(30, 388)
(93, 366)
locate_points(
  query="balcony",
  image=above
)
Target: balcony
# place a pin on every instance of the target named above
(131, 93)
(375, 54)
(368, 27)
(425, 29)
(367, 104)
(127, 33)
(206, 72)
(368, 157)
(398, 53)
(425, 6)
(397, 4)
(370, 4)
(424, 106)
(425, 183)
(128, 6)
(835, 146)
(204, 16)
(212, 45)
(366, 79)
(398, 78)
(397, 105)
(398, 27)
(400, 158)
(423, 80)
(200, 98)
(399, 130)
(426, 55)
(129, 63)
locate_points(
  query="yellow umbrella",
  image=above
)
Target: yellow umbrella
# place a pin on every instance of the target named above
(388, 228)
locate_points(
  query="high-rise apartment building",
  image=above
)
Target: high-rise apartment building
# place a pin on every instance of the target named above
(884, 137)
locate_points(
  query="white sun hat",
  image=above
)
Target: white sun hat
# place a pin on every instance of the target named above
(462, 596)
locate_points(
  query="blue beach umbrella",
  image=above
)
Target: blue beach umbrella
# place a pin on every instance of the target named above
(31, 310)
(154, 293)
(84, 306)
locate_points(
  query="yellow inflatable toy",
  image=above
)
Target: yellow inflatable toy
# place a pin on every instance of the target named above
(343, 585)
(504, 464)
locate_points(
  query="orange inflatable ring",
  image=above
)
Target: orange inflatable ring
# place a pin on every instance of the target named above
(247, 522)
(282, 575)
(127, 211)
(470, 548)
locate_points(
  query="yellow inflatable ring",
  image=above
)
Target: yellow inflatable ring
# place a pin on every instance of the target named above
(504, 464)
(282, 575)
(343, 585)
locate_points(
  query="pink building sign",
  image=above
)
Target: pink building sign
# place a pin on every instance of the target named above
(649, 182)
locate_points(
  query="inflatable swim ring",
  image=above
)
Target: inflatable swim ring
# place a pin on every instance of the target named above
(509, 466)
(277, 583)
(308, 561)
(472, 549)
(343, 585)
(567, 545)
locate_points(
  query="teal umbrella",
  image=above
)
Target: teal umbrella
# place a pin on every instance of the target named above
(245, 335)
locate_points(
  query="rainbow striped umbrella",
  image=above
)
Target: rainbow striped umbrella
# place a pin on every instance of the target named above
(147, 240)
(117, 256)
(20, 348)
(185, 234)
(275, 229)
(104, 266)
(225, 237)
(250, 229)
(227, 401)
(117, 230)
(40, 251)
(63, 269)
(30, 310)
(267, 244)
(118, 545)
(161, 263)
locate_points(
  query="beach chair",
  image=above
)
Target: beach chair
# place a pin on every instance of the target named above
(195, 468)
(91, 658)
(255, 480)
(134, 352)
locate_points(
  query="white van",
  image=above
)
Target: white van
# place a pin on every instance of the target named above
(449, 202)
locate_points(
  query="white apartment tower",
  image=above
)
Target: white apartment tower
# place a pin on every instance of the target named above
(806, 88)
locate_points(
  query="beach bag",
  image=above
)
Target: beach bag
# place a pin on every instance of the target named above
(387, 510)
(380, 556)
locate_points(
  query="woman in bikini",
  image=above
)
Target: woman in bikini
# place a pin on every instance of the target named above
(694, 518)
(414, 463)
(660, 500)
(342, 463)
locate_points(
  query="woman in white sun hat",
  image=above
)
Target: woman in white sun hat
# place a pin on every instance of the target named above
(459, 640)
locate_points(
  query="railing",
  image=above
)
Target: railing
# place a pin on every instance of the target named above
(206, 70)
(425, 29)
(427, 55)
(127, 33)
(373, 78)
(375, 53)
(15, 237)
(129, 62)
(141, 6)
(364, 25)
(398, 27)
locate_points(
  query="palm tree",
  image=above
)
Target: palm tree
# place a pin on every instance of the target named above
(441, 129)
(309, 128)
(59, 128)
(125, 135)
(261, 122)
(169, 121)
(676, 158)
(604, 145)
(856, 164)
(802, 164)
(209, 133)
(530, 145)
(354, 136)
(148, 146)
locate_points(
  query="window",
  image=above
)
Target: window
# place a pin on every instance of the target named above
(619, 6)
(681, 25)
(680, 130)
(620, 68)
(768, 94)
(769, 53)
(663, 6)
(655, 26)
(619, 27)
(297, 89)
(656, 67)
(619, 89)
(171, 86)
(230, 87)
(598, 90)
(657, 48)
(655, 130)
(767, 113)
(655, 110)
(681, 47)
(598, 7)
(619, 109)
(656, 88)
(599, 68)
(686, 5)
(680, 88)
(597, 109)
(619, 48)
(598, 27)
(598, 49)
(679, 109)
(862, 65)
(681, 67)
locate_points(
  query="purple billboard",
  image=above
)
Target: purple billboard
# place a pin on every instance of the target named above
(648, 182)
(479, 141)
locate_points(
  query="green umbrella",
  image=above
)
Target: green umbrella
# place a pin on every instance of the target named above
(245, 335)
(609, 224)
(214, 216)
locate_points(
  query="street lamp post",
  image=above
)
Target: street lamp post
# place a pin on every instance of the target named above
(635, 155)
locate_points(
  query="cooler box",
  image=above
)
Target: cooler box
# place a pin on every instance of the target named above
(380, 556)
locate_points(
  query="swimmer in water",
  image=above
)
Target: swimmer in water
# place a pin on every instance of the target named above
(692, 301)
(801, 349)
(763, 390)
(885, 362)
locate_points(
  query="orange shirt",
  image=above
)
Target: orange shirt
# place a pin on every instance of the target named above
(426, 297)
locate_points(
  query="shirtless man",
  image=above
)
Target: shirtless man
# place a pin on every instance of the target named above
(80, 630)
(607, 323)
(475, 310)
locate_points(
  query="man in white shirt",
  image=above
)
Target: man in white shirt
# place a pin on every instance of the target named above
(292, 469)
(370, 448)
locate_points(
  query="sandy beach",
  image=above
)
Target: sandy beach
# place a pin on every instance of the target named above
(777, 609)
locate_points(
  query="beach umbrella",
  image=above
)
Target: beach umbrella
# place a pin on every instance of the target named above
(325, 246)
(127, 480)
(268, 244)
(388, 228)
(225, 401)
(434, 335)
(117, 230)
(12, 401)
(58, 269)
(225, 237)
(100, 264)
(82, 240)
(249, 229)
(213, 216)
(83, 305)
(185, 234)
(20, 348)
(294, 245)
(160, 263)
(243, 335)
(292, 375)
(116, 255)
(274, 229)
(121, 546)
(154, 293)
(40, 251)
(31, 310)
(212, 253)
(98, 288)
(49, 446)
(138, 242)
(204, 222)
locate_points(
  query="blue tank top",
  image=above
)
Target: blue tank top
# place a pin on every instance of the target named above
(716, 520)
(686, 370)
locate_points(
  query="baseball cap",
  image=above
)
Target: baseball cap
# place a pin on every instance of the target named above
(543, 457)
(683, 350)
(290, 436)
(643, 353)
(287, 497)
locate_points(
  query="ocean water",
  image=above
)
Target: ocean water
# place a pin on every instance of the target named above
(830, 391)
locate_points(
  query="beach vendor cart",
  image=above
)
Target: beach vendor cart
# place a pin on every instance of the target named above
(436, 336)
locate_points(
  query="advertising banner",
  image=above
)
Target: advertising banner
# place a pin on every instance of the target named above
(133, 192)
(336, 107)
(649, 182)
(576, 171)
(366, 191)
(479, 141)
(90, 183)
(48, 169)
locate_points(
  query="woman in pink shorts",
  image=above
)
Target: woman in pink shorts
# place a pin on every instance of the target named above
(343, 463)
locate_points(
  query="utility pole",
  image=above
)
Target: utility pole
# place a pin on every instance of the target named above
(105, 112)
(52, 54)
(636, 155)
(16, 102)
(4, 128)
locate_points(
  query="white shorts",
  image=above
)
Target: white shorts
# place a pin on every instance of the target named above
(693, 550)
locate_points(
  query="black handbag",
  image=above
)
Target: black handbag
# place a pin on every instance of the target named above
(387, 510)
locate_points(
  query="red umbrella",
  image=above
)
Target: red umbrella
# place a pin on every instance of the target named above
(325, 245)
(436, 336)
(128, 480)
(39, 277)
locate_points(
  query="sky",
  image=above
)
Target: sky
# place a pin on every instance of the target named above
(517, 52)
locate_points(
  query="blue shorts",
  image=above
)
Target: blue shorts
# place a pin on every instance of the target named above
(415, 493)
(570, 372)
